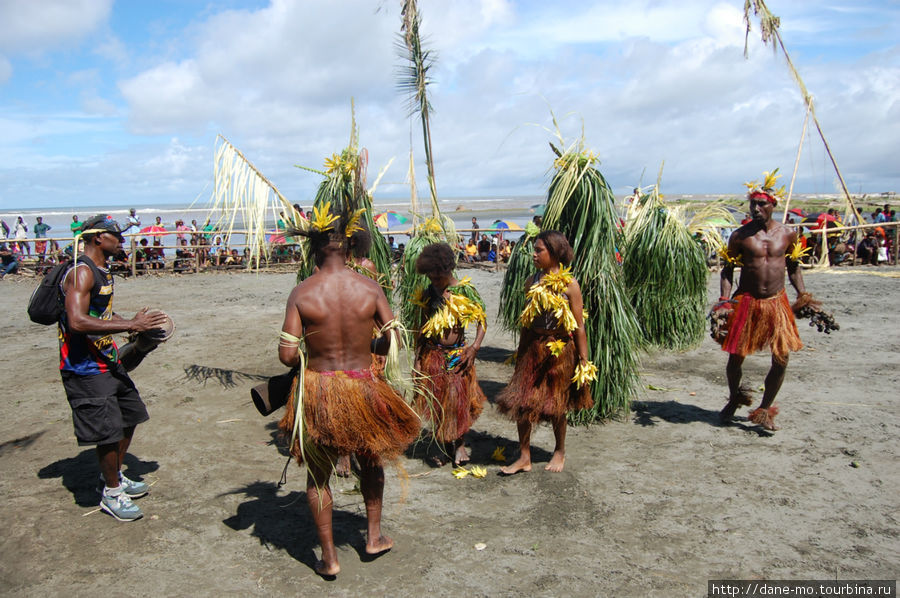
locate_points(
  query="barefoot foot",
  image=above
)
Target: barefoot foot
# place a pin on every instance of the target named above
(379, 545)
(520, 464)
(327, 569)
(557, 461)
(342, 469)
(438, 460)
(726, 415)
(462, 456)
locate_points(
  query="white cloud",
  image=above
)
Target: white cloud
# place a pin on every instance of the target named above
(32, 27)
(653, 81)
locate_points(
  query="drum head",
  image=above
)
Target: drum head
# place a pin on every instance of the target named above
(162, 334)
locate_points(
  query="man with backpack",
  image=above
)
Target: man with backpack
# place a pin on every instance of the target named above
(106, 406)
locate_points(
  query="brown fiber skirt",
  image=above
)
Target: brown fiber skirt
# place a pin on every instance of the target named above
(756, 324)
(450, 400)
(541, 387)
(352, 412)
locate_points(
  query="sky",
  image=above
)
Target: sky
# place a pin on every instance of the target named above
(106, 102)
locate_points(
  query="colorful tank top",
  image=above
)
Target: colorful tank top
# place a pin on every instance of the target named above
(89, 354)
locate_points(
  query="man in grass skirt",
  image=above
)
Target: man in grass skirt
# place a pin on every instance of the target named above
(340, 403)
(759, 315)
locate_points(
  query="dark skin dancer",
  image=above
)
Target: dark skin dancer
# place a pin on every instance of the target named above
(440, 282)
(544, 260)
(336, 309)
(761, 244)
(343, 467)
(99, 248)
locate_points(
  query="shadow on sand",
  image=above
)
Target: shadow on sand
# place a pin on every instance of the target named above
(481, 446)
(19, 443)
(681, 413)
(284, 522)
(494, 354)
(81, 474)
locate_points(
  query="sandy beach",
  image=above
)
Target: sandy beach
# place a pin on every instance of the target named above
(652, 505)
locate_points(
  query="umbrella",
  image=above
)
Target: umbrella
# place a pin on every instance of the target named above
(797, 212)
(815, 221)
(276, 239)
(389, 219)
(154, 229)
(506, 225)
(539, 209)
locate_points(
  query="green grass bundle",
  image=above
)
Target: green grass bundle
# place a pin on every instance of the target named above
(665, 273)
(518, 270)
(410, 280)
(582, 206)
(345, 178)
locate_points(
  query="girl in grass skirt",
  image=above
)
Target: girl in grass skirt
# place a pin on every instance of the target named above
(448, 394)
(552, 368)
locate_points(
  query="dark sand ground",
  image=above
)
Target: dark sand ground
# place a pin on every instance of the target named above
(652, 505)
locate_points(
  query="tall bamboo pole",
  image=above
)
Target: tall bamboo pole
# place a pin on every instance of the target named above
(787, 203)
(770, 24)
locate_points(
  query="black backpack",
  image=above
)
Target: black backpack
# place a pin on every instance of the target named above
(46, 304)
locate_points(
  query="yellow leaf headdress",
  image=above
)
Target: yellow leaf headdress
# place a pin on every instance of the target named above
(767, 187)
(322, 219)
(353, 223)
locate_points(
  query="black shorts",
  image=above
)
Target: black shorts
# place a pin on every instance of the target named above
(103, 405)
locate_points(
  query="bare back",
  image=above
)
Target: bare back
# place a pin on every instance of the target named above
(336, 309)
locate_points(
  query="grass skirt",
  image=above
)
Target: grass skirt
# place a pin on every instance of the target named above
(352, 412)
(759, 323)
(450, 400)
(541, 387)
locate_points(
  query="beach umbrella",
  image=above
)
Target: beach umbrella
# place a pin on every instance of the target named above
(156, 230)
(538, 209)
(825, 217)
(389, 219)
(506, 225)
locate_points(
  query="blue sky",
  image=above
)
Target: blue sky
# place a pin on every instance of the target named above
(107, 102)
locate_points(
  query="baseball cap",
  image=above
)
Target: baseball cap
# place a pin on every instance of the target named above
(102, 223)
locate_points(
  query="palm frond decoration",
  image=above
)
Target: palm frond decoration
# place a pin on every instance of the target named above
(410, 281)
(581, 205)
(242, 191)
(344, 189)
(706, 224)
(413, 80)
(518, 270)
(664, 270)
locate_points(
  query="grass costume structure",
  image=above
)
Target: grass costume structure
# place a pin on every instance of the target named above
(581, 206)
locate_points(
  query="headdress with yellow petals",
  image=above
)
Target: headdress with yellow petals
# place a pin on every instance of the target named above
(766, 189)
(323, 220)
